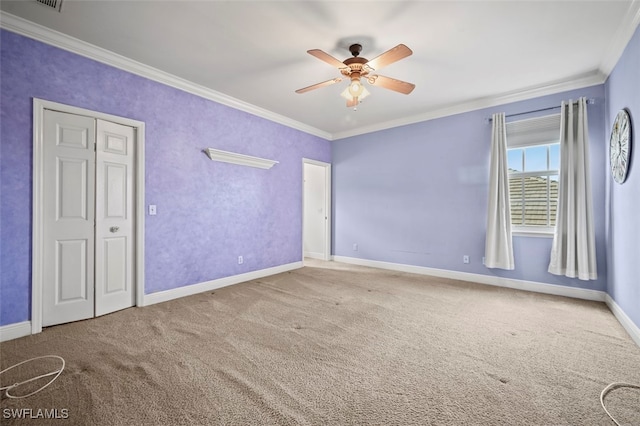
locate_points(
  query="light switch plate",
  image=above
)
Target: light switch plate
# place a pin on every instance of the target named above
(152, 209)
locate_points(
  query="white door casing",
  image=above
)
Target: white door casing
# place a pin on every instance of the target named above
(69, 173)
(314, 211)
(114, 278)
(316, 240)
(135, 207)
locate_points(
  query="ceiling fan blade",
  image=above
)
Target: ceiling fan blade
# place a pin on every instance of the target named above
(327, 58)
(389, 57)
(391, 84)
(319, 85)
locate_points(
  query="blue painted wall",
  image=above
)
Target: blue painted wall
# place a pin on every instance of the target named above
(414, 194)
(623, 201)
(209, 213)
(417, 194)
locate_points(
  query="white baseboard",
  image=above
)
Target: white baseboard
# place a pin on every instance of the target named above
(175, 293)
(559, 290)
(537, 287)
(623, 319)
(21, 329)
(13, 331)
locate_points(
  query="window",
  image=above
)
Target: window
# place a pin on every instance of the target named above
(533, 158)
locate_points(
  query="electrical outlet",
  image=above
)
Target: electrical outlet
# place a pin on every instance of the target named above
(465, 258)
(240, 260)
(355, 246)
(483, 260)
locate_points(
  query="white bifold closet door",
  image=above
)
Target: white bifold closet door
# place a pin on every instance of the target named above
(88, 217)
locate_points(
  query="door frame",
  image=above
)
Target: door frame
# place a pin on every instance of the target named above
(37, 256)
(327, 205)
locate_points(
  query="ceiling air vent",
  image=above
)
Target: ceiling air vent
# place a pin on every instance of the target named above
(53, 4)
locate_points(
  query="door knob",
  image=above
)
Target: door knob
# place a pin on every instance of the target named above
(114, 229)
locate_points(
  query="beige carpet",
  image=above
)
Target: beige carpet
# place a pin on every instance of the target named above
(332, 344)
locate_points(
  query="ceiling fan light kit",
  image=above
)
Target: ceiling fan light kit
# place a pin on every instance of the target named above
(353, 101)
(357, 68)
(355, 88)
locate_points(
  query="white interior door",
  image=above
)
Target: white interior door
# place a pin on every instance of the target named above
(115, 147)
(68, 218)
(88, 217)
(316, 210)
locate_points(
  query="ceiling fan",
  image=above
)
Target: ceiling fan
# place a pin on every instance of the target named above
(357, 68)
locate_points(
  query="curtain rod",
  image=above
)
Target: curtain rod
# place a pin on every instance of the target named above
(589, 102)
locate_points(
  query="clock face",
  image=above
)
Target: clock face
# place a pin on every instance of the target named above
(620, 146)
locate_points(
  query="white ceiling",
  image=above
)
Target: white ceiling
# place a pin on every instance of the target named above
(252, 54)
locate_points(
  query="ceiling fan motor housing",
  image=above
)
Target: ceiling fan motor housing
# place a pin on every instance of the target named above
(356, 65)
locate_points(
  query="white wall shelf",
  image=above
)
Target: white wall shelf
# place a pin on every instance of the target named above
(241, 159)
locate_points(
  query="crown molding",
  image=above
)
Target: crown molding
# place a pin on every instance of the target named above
(591, 79)
(616, 48)
(619, 42)
(57, 39)
(626, 29)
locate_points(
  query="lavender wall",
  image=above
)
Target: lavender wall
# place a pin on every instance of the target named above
(417, 194)
(623, 201)
(209, 213)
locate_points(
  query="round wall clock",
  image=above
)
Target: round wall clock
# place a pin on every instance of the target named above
(620, 146)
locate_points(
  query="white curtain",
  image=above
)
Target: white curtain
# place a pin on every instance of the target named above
(498, 249)
(574, 251)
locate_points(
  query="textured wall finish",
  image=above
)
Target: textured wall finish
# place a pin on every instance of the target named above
(623, 225)
(417, 194)
(208, 213)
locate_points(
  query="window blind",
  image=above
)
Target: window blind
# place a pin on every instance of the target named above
(534, 131)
